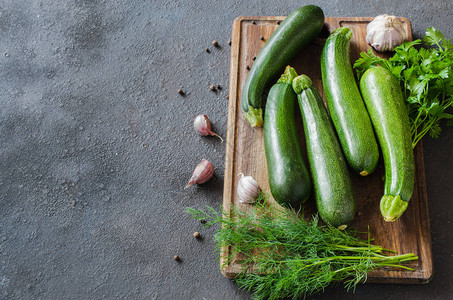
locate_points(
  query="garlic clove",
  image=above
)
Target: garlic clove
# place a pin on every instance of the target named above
(385, 33)
(202, 173)
(248, 189)
(203, 126)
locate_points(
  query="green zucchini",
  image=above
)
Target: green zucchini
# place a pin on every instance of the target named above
(298, 29)
(384, 100)
(289, 179)
(345, 104)
(329, 172)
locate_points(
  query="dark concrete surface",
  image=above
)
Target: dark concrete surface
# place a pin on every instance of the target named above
(96, 146)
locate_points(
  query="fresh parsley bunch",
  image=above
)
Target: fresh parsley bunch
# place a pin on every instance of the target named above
(426, 78)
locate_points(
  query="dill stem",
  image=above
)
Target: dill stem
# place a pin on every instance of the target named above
(389, 250)
(397, 258)
(356, 249)
(353, 258)
(345, 269)
(396, 266)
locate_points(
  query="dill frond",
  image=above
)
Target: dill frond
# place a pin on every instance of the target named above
(287, 256)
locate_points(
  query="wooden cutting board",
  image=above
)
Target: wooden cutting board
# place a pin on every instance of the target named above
(245, 152)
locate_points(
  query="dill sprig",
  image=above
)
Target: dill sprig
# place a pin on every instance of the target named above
(285, 256)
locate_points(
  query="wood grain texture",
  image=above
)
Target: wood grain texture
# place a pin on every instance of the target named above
(245, 152)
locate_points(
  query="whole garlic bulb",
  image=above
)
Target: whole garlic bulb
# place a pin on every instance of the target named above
(385, 33)
(248, 189)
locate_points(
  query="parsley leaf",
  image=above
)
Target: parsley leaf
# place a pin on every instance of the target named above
(432, 37)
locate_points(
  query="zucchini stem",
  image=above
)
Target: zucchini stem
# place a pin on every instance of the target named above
(255, 116)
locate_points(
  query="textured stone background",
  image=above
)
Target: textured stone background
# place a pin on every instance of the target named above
(96, 146)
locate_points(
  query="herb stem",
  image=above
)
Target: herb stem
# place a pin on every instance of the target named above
(396, 266)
